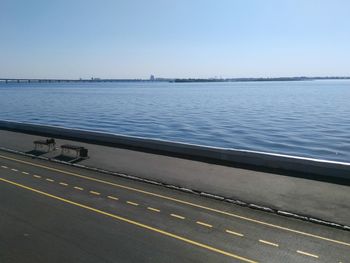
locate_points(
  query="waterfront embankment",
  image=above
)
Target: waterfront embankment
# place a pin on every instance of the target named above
(281, 183)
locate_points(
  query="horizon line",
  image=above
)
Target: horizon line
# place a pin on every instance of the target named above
(152, 77)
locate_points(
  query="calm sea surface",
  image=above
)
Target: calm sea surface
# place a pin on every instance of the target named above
(308, 118)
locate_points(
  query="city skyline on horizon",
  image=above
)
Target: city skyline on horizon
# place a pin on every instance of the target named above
(197, 39)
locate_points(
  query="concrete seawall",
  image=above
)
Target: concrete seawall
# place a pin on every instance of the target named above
(284, 164)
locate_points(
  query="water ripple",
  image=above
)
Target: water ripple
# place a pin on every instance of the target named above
(300, 118)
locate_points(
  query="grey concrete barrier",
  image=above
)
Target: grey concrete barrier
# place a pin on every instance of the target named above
(290, 164)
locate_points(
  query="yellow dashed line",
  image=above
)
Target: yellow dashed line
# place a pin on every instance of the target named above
(3, 166)
(203, 224)
(64, 184)
(153, 209)
(234, 233)
(268, 243)
(307, 254)
(25, 173)
(78, 188)
(222, 212)
(112, 197)
(134, 223)
(15, 170)
(132, 203)
(94, 193)
(50, 180)
(177, 216)
(37, 176)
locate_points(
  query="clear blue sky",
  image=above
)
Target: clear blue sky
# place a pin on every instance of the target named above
(174, 38)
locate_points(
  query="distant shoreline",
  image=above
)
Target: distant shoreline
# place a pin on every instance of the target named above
(172, 80)
(259, 79)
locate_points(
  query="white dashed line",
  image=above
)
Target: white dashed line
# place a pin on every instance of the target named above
(153, 209)
(132, 203)
(234, 233)
(268, 243)
(177, 216)
(307, 254)
(113, 198)
(203, 224)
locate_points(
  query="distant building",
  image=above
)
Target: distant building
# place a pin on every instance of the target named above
(152, 78)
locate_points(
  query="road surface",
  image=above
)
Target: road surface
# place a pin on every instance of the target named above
(51, 212)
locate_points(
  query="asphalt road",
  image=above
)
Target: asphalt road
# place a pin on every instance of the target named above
(56, 213)
(314, 198)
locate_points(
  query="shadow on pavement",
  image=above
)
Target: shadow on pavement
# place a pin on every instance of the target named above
(69, 159)
(36, 152)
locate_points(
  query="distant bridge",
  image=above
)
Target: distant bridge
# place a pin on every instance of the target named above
(38, 80)
(23, 80)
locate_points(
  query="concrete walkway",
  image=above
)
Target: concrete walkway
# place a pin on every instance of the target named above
(326, 201)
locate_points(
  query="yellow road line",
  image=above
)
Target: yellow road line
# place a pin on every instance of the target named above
(268, 243)
(78, 188)
(132, 222)
(25, 173)
(37, 176)
(3, 166)
(15, 170)
(112, 197)
(177, 216)
(50, 180)
(307, 254)
(94, 193)
(132, 203)
(181, 202)
(153, 209)
(234, 233)
(64, 184)
(203, 224)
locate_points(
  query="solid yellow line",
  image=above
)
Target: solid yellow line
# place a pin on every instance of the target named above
(64, 184)
(112, 197)
(132, 222)
(153, 209)
(268, 243)
(234, 233)
(132, 203)
(78, 188)
(203, 224)
(50, 180)
(177, 216)
(182, 202)
(307, 254)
